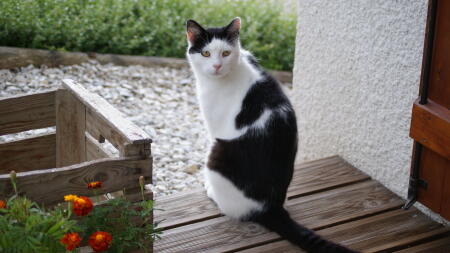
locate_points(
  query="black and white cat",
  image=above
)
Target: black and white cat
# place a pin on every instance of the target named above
(253, 130)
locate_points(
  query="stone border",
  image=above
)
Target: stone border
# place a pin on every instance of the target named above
(13, 57)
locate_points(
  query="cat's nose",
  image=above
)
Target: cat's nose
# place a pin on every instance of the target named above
(217, 66)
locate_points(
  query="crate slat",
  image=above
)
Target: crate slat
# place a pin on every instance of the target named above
(26, 112)
(49, 186)
(70, 128)
(36, 152)
(102, 119)
(94, 150)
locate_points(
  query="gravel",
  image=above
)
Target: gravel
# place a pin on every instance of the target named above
(160, 100)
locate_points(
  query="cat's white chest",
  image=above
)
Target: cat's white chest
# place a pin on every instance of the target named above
(219, 107)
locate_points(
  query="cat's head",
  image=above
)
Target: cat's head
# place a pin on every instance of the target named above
(213, 52)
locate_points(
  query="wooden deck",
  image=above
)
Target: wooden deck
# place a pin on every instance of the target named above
(328, 195)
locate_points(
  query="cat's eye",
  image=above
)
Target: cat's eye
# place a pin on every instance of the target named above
(206, 53)
(226, 53)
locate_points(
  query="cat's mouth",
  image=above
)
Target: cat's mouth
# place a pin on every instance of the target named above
(217, 73)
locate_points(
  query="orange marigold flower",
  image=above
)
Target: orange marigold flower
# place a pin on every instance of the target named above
(82, 206)
(94, 185)
(71, 240)
(70, 198)
(100, 241)
(2, 204)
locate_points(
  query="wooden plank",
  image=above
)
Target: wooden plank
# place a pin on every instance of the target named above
(279, 246)
(330, 172)
(430, 126)
(436, 246)
(142, 150)
(49, 186)
(323, 174)
(70, 128)
(319, 210)
(184, 208)
(34, 153)
(26, 112)
(385, 232)
(432, 170)
(102, 119)
(380, 233)
(439, 87)
(445, 206)
(94, 150)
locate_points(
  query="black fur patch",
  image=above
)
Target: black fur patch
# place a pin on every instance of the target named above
(264, 94)
(260, 164)
(207, 35)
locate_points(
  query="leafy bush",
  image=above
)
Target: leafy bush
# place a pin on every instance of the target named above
(144, 27)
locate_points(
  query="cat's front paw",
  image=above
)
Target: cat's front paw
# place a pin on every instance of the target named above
(209, 192)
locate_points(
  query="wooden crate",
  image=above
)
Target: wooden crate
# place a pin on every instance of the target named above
(52, 165)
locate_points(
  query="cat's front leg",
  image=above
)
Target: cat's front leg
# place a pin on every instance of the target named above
(208, 186)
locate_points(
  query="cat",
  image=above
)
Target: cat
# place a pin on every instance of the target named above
(253, 132)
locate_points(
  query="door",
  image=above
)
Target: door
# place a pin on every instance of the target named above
(430, 123)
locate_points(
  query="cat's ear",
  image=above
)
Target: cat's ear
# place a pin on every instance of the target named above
(234, 26)
(193, 30)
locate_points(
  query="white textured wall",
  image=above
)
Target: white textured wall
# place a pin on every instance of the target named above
(356, 75)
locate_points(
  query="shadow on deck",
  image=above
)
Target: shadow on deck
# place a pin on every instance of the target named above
(328, 195)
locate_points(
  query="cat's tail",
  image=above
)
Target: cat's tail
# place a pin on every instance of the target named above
(279, 221)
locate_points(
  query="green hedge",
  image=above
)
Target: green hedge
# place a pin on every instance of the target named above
(144, 27)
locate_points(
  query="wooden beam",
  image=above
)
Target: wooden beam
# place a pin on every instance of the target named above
(430, 126)
(33, 153)
(26, 112)
(323, 174)
(436, 246)
(49, 186)
(94, 150)
(141, 150)
(103, 120)
(70, 128)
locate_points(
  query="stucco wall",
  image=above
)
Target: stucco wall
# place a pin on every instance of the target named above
(356, 75)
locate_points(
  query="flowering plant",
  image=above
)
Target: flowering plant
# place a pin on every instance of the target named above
(104, 227)
(25, 227)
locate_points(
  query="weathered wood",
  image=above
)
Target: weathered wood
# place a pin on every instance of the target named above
(393, 230)
(331, 172)
(184, 208)
(49, 186)
(436, 246)
(380, 233)
(70, 128)
(33, 153)
(323, 174)
(430, 126)
(316, 211)
(104, 120)
(142, 150)
(13, 57)
(26, 112)
(94, 150)
(274, 247)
